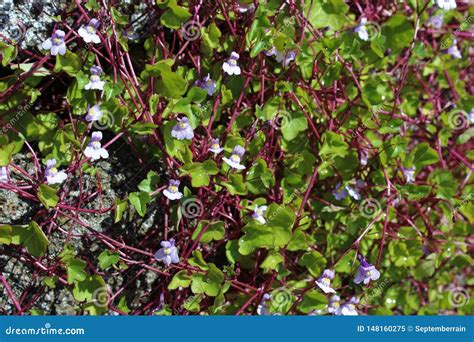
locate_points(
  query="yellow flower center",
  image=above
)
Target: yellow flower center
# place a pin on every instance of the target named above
(91, 30)
(53, 170)
(182, 125)
(235, 158)
(57, 41)
(232, 62)
(173, 188)
(215, 146)
(95, 78)
(326, 281)
(96, 144)
(260, 212)
(167, 251)
(335, 304)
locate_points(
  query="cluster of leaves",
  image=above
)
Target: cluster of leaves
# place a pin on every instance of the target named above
(306, 126)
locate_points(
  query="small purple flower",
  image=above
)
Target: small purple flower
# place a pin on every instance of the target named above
(348, 308)
(207, 84)
(361, 30)
(334, 304)
(409, 174)
(471, 116)
(230, 66)
(215, 146)
(94, 113)
(281, 57)
(324, 282)
(236, 158)
(95, 150)
(168, 253)
(364, 156)
(3, 174)
(437, 21)
(89, 32)
(172, 192)
(446, 4)
(53, 176)
(354, 191)
(259, 213)
(453, 50)
(56, 43)
(338, 193)
(182, 130)
(366, 272)
(94, 81)
(245, 8)
(262, 308)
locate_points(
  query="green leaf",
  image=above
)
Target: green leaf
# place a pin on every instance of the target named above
(415, 192)
(272, 260)
(120, 207)
(293, 124)
(92, 289)
(333, 145)
(31, 237)
(76, 270)
(139, 200)
(236, 185)
(5, 234)
(215, 231)
(314, 262)
(47, 195)
(180, 279)
(175, 16)
(446, 186)
(200, 172)
(70, 63)
(424, 155)
(149, 184)
(108, 258)
(313, 300)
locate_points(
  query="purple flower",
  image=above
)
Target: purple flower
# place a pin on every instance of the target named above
(471, 116)
(363, 156)
(94, 81)
(172, 192)
(361, 30)
(182, 130)
(215, 146)
(334, 304)
(245, 8)
(56, 43)
(236, 158)
(95, 150)
(168, 253)
(324, 282)
(262, 308)
(446, 4)
(281, 57)
(348, 308)
(89, 32)
(53, 176)
(437, 21)
(366, 272)
(3, 174)
(230, 66)
(453, 50)
(207, 84)
(339, 194)
(409, 174)
(94, 113)
(259, 213)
